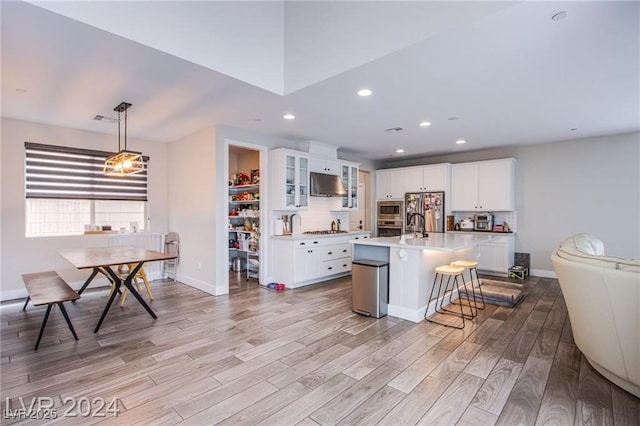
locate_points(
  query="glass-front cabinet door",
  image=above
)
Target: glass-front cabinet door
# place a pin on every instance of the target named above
(290, 180)
(297, 185)
(349, 174)
(303, 179)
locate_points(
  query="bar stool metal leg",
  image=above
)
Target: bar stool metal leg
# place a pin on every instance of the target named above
(471, 314)
(473, 268)
(449, 271)
(471, 265)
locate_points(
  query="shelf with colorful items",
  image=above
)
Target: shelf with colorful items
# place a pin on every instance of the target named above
(244, 229)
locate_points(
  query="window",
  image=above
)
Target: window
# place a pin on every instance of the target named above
(66, 191)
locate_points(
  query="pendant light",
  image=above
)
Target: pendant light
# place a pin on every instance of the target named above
(125, 162)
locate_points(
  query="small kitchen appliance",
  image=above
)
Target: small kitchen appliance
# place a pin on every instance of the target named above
(483, 222)
(466, 224)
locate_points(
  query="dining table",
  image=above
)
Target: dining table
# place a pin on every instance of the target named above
(104, 260)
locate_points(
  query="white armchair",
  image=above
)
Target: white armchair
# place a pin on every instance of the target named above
(602, 294)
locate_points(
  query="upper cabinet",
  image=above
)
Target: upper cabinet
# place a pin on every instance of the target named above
(427, 178)
(289, 179)
(390, 184)
(327, 166)
(483, 185)
(349, 175)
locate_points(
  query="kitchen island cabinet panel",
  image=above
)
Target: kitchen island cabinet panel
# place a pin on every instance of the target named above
(497, 255)
(412, 267)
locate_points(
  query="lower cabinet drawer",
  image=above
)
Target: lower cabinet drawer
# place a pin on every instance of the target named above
(335, 251)
(336, 266)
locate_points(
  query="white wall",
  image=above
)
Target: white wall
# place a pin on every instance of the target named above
(584, 185)
(191, 193)
(21, 255)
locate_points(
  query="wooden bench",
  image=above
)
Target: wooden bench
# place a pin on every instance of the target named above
(47, 288)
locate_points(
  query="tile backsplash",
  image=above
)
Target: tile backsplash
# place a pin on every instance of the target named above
(499, 218)
(318, 216)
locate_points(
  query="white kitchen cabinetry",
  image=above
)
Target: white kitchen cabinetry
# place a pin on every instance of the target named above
(349, 175)
(390, 184)
(427, 178)
(314, 259)
(289, 179)
(497, 255)
(483, 186)
(327, 166)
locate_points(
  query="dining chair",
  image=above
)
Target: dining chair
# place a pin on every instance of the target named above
(172, 246)
(140, 275)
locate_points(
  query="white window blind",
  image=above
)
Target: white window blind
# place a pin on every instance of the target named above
(74, 173)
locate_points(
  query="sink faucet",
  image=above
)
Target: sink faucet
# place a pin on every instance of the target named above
(424, 233)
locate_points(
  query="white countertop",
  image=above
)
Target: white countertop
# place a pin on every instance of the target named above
(309, 236)
(437, 242)
(472, 232)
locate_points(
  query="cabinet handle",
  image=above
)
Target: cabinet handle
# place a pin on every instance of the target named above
(344, 251)
(330, 267)
(315, 242)
(303, 244)
(344, 265)
(330, 252)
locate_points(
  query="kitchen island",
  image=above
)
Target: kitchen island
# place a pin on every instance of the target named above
(412, 263)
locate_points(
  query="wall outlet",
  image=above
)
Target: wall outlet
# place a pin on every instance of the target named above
(199, 266)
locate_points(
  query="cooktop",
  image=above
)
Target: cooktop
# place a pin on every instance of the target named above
(324, 232)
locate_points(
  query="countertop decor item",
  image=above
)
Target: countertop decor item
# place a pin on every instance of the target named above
(125, 162)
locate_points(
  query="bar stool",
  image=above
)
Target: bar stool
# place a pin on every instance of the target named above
(472, 265)
(450, 272)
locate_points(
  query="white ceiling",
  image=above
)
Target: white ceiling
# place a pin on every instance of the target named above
(506, 71)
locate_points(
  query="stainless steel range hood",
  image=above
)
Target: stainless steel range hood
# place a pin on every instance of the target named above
(323, 185)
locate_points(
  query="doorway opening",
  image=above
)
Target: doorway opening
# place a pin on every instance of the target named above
(245, 242)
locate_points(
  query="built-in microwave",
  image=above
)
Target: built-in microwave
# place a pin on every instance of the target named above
(390, 218)
(390, 210)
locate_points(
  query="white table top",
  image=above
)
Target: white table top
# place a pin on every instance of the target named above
(435, 242)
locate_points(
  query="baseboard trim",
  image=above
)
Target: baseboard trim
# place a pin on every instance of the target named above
(542, 273)
(202, 285)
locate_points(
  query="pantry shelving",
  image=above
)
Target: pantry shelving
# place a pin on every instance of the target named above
(244, 229)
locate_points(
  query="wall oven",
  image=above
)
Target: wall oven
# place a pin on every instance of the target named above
(390, 218)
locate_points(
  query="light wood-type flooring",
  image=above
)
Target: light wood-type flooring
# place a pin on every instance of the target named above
(301, 357)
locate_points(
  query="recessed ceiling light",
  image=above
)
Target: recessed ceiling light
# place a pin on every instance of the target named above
(21, 90)
(574, 129)
(364, 92)
(461, 141)
(558, 16)
(288, 116)
(400, 150)
(452, 118)
(425, 124)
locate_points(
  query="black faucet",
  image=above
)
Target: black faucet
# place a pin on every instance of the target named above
(424, 231)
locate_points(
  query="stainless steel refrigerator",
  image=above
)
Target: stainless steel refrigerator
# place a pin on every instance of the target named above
(424, 212)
